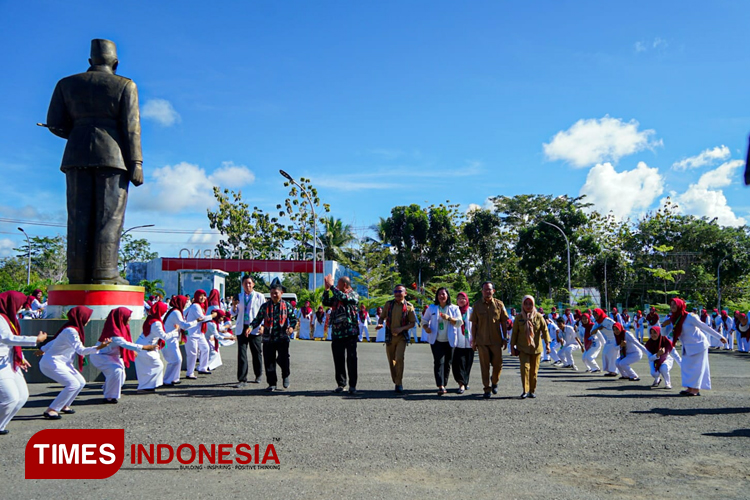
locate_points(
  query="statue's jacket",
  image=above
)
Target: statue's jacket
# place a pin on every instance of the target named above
(97, 112)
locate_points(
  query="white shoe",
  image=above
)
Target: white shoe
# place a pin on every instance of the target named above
(669, 386)
(574, 368)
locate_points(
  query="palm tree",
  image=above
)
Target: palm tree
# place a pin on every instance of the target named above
(380, 233)
(153, 287)
(335, 237)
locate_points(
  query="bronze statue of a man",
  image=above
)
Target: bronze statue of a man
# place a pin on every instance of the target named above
(97, 112)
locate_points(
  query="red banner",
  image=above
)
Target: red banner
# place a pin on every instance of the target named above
(75, 453)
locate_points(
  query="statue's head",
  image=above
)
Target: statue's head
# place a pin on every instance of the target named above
(103, 53)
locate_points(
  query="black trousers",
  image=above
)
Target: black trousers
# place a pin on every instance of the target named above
(442, 352)
(96, 210)
(256, 352)
(276, 352)
(345, 359)
(463, 360)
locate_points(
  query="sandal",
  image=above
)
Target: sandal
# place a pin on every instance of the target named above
(69, 411)
(49, 416)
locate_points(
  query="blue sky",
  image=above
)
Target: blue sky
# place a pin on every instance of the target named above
(390, 103)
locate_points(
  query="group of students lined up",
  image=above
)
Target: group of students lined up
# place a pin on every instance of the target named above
(454, 332)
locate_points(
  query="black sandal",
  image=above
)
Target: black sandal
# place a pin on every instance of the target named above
(52, 417)
(68, 412)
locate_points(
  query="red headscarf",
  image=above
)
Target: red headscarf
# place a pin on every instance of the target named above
(362, 312)
(678, 318)
(197, 294)
(463, 310)
(155, 315)
(599, 315)
(704, 315)
(306, 309)
(217, 321)
(10, 303)
(619, 332)
(652, 317)
(587, 330)
(29, 300)
(77, 319)
(653, 346)
(214, 299)
(724, 314)
(178, 303)
(746, 334)
(115, 326)
(577, 315)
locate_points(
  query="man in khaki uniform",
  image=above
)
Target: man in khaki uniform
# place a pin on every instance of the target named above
(489, 319)
(397, 317)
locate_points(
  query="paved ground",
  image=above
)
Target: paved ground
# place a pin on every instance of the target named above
(585, 437)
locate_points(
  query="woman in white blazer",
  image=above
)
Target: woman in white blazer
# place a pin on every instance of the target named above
(463, 354)
(442, 321)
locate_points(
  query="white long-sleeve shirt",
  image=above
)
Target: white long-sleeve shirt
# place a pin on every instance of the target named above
(606, 328)
(693, 336)
(195, 314)
(157, 333)
(113, 349)
(66, 345)
(8, 340)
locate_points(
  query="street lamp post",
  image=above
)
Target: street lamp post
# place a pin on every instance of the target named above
(718, 282)
(315, 228)
(134, 227)
(606, 295)
(28, 244)
(568, 245)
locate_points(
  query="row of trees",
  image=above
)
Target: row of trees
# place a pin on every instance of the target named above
(514, 244)
(49, 262)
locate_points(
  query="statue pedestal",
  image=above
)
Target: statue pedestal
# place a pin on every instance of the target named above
(102, 299)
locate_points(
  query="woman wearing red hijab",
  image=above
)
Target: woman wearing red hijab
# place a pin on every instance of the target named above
(660, 349)
(148, 366)
(174, 321)
(13, 390)
(592, 343)
(57, 360)
(611, 347)
(306, 321)
(217, 333)
(691, 332)
(113, 359)
(363, 319)
(196, 347)
(743, 334)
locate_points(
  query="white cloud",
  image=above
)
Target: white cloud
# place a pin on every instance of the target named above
(6, 247)
(706, 157)
(161, 111)
(200, 237)
(352, 185)
(657, 43)
(232, 175)
(593, 141)
(186, 187)
(703, 199)
(473, 207)
(622, 193)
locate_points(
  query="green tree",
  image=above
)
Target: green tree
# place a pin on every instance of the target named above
(483, 232)
(244, 230)
(372, 262)
(153, 287)
(132, 250)
(48, 257)
(336, 237)
(299, 211)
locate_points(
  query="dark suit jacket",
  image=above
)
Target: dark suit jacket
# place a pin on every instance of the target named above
(97, 112)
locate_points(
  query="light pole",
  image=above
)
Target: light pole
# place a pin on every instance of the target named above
(568, 244)
(134, 227)
(606, 295)
(315, 227)
(718, 282)
(28, 270)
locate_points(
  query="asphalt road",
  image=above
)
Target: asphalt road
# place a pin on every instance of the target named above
(584, 437)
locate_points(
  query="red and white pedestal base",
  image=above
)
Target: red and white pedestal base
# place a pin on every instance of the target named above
(101, 298)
